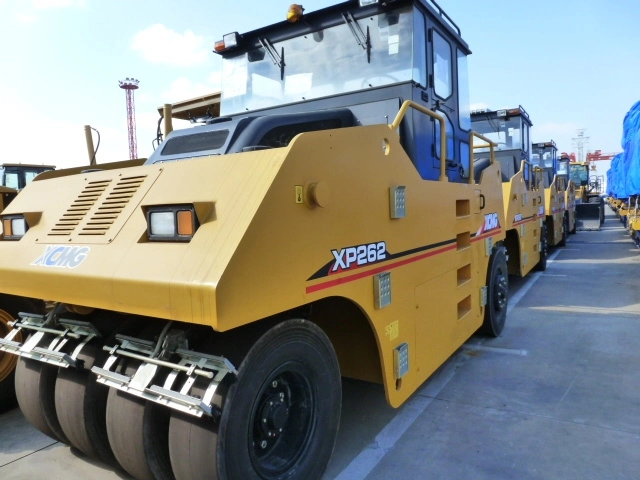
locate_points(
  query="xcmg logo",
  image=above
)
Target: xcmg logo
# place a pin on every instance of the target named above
(63, 257)
(491, 222)
(349, 257)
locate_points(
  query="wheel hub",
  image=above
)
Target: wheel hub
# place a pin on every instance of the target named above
(500, 293)
(282, 423)
(274, 414)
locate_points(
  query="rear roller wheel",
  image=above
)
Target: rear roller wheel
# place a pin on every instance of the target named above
(10, 306)
(81, 405)
(35, 389)
(279, 419)
(495, 312)
(138, 432)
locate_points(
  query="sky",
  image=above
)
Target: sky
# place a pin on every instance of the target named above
(572, 64)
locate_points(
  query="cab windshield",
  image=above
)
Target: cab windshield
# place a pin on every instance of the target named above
(328, 62)
(579, 174)
(506, 132)
(543, 157)
(9, 179)
(563, 167)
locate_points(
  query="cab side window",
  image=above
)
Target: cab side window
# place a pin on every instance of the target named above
(442, 76)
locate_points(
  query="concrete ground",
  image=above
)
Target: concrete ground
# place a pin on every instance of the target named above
(555, 397)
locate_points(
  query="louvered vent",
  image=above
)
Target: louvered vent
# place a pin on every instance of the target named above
(80, 207)
(98, 207)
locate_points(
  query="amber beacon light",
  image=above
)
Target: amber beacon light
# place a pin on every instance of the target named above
(294, 13)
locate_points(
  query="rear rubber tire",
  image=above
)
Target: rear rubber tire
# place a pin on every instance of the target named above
(495, 311)
(279, 419)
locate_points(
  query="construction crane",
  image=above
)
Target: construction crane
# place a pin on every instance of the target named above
(598, 155)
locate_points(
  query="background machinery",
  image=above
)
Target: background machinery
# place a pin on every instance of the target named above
(13, 178)
(208, 300)
(524, 202)
(560, 217)
(590, 188)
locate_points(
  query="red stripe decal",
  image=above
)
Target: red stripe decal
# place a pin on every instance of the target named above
(400, 263)
(374, 271)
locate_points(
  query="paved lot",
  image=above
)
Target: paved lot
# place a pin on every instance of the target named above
(555, 397)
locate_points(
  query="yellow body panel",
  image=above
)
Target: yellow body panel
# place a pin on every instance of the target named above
(570, 204)
(524, 209)
(555, 201)
(261, 249)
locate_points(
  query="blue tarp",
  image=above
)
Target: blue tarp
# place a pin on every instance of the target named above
(624, 179)
(615, 185)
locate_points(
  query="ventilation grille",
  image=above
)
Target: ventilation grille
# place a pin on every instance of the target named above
(80, 207)
(97, 207)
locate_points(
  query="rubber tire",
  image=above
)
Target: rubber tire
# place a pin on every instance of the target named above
(203, 448)
(541, 266)
(565, 231)
(35, 389)
(13, 305)
(495, 312)
(138, 432)
(81, 404)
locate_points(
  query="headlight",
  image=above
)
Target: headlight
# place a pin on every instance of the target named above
(171, 223)
(14, 227)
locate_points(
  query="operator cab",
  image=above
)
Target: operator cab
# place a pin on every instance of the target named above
(350, 64)
(18, 176)
(509, 128)
(579, 174)
(544, 155)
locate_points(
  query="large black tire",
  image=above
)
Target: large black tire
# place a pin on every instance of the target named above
(35, 389)
(541, 266)
(565, 230)
(138, 432)
(81, 404)
(575, 223)
(495, 312)
(10, 306)
(279, 419)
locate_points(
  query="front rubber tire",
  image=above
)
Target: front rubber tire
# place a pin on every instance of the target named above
(565, 231)
(10, 307)
(35, 389)
(279, 419)
(541, 266)
(495, 311)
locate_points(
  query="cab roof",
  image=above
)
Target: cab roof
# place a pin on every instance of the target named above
(325, 17)
(26, 165)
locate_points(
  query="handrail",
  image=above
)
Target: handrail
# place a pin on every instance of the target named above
(443, 130)
(535, 174)
(444, 15)
(490, 144)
